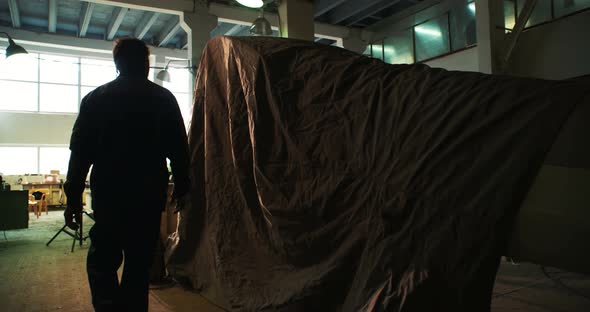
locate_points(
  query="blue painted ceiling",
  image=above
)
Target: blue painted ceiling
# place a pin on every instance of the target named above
(34, 16)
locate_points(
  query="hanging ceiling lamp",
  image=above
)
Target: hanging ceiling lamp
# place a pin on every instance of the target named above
(251, 3)
(164, 75)
(261, 26)
(13, 48)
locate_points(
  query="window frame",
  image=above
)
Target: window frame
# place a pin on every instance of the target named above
(38, 148)
(38, 56)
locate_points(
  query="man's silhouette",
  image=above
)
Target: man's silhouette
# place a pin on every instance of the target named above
(126, 129)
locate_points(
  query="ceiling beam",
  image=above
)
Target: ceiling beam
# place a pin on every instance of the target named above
(234, 30)
(169, 31)
(243, 16)
(115, 23)
(373, 10)
(161, 6)
(14, 13)
(350, 9)
(85, 16)
(52, 19)
(34, 41)
(147, 21)
(225, 13)
(323, 6)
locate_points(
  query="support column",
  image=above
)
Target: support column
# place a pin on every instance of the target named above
(198, 26)
(490, 34)
(296, 19)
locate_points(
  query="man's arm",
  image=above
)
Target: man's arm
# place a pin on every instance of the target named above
(82, 144)
(177, 151)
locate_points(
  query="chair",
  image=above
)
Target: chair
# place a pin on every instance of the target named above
(33, 205)
(43, 204)
(41, 198)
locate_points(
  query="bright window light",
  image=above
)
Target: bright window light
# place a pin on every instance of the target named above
(18, 160)
(18, 96)
(58, 98)
(54, 158)
(251, 3)
(19, 67)
(428, 31)
(96, 72)
(472, 7)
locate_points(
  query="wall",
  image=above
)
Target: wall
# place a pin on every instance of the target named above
(466, 60)
(414, 15)
(463, 60)
(557, 50)
(35, 128)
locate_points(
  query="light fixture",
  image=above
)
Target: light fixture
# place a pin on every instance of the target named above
(164, 75)
(261, 26)
(472, 7)
(428, 31)
(13, 48)
(251, 3)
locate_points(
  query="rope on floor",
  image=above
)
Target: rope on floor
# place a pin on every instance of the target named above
(559, 282)
(214, 304)
(549, 277)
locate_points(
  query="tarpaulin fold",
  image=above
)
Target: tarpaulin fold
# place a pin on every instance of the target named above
(324, 180)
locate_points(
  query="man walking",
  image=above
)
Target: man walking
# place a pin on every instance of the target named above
(125, 130)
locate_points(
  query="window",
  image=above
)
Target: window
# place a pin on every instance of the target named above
(565, 7)
(509, 14)
(544, 11)
(399, 48)
(23, 67)
(58, 69)
(50, 83)
(432, 38)
(179, 85)
(84, 91)
(53, 158)
(58, 98)
(18, 160)
(367, 51)
(179, 80)
(462, 26)
(18, 82)
(377, 50)
(58, 88)
(95, 73)
(541, 13)
(18, 96)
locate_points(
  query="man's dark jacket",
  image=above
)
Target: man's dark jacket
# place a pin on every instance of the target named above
(126, 129)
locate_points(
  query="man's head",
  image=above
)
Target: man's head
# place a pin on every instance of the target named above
(131, 56)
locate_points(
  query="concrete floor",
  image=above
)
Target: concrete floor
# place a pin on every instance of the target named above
(34, 277)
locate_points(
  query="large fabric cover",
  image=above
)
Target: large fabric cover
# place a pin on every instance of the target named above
(328, 181)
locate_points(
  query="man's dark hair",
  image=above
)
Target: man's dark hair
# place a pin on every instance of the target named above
(131, 56)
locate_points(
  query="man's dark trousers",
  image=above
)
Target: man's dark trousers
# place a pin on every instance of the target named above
(122, 233)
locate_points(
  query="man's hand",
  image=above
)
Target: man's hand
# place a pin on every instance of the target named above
(73, 216)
